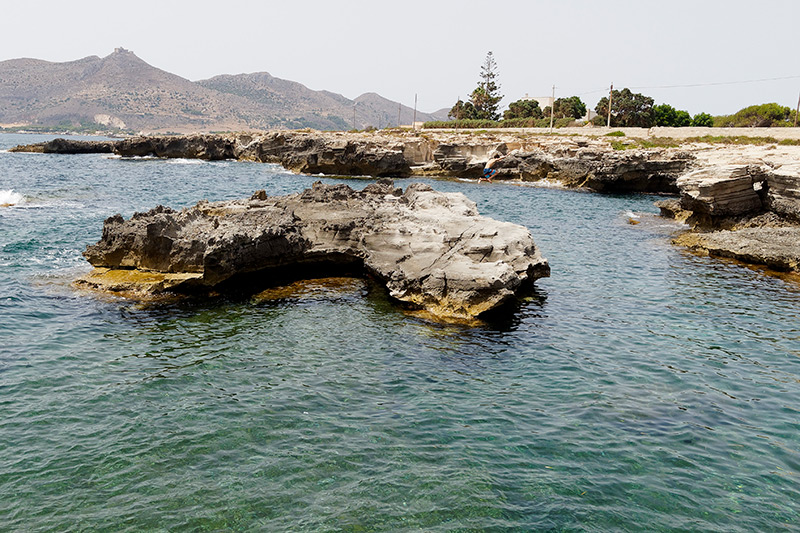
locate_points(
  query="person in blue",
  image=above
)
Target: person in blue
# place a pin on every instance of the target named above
(489, 171)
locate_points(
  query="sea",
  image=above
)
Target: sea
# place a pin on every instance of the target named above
(639, 388)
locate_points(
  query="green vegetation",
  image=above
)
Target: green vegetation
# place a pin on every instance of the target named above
(668, 116)
(493, 124)
(702, 120)
(485, 99)
(83, 127)
(757, 116)
(628, 109)
(523, 109)
(655, 142)
(739, 139)
(572, 107)
(615, 134)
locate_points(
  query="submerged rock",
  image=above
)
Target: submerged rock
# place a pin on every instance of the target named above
(432, 250)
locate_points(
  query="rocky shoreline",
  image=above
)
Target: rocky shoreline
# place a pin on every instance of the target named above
(723, 190)
(574, 162)
(742, 204)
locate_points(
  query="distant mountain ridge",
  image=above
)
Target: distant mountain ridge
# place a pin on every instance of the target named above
(120, 91)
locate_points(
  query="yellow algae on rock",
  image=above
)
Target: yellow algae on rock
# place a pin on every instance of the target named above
(135, 282)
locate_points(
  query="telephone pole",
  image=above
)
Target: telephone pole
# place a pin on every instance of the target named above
(610, 93)
(796, 111)
(414, 123)
(552, 108)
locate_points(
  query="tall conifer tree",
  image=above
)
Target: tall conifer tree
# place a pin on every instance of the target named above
(486, 96)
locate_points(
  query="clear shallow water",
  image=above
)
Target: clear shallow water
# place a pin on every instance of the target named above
(639, 388)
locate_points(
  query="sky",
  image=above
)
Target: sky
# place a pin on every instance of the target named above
(713, 56)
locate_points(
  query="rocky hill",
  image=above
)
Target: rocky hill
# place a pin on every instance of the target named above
(123, 92)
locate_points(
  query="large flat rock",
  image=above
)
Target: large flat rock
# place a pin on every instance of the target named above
(777, 248)
(432, 250)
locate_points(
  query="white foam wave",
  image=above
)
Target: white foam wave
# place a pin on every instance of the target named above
(181, 161)
(9, 197)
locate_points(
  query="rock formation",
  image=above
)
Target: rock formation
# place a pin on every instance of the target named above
(68, 146)
(729, 190)
(747, 212)
(432, 250)
(777, 248)
(575, 163)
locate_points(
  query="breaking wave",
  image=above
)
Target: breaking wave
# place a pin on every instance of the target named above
(9, 197)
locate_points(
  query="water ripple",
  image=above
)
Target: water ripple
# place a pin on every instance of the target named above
(637, 388)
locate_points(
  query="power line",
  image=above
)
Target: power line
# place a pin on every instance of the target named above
(683, 86)
(742, 82)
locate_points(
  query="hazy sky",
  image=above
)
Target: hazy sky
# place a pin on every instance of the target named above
(717, 52)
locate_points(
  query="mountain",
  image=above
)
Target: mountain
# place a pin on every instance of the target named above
(293, 105)
(123, 92)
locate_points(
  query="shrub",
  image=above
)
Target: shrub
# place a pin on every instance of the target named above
(628, 109)
(523, 109)
(703, 120)
(511, 123)
(756, 116)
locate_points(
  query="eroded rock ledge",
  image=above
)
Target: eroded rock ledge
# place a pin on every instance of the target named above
(432, 250)
(748, 211)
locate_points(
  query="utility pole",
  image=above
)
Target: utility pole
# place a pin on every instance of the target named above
(552, 108)
(796, 111)
(414, 123)
(610, 92)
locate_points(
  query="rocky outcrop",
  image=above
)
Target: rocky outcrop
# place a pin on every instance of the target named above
(207, 147)
(68, 146)
(722, 196)
(311, 153)
(603, 170)
(327, 154)
(300, 152)
(432, 250)
(783, 191)
(777, 248)
(749, 212)
(574, 164)
(724, 191)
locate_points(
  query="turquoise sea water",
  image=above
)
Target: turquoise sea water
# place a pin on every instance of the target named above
(639, 388)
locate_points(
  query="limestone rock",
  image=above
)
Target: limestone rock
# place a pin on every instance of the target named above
(783, 191)
(577, 163)
(777, 248)
(728, 190)
(432, 250)
(598, 168)
(68, 146)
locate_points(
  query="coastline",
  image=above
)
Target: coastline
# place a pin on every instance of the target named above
(704, 174)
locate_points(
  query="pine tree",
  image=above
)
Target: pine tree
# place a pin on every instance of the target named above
(486, 96)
